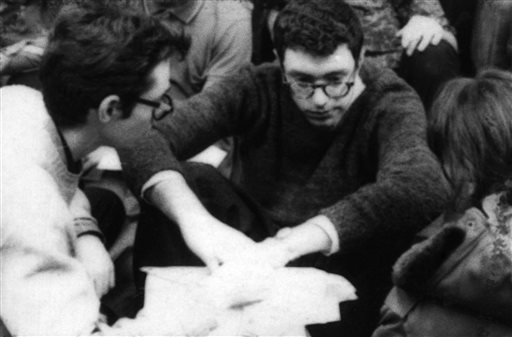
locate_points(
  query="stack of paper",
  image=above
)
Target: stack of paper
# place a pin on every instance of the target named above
(237, 300)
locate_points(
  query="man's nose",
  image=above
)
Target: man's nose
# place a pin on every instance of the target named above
(319, 97)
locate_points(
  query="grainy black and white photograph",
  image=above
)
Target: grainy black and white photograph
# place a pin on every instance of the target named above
(301, 168)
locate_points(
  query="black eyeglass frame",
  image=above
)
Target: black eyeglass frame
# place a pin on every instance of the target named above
(313, 87)
(158, 104)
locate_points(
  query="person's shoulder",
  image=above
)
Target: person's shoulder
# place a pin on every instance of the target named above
(16, 91)
(24, 115)
(262, 72)
(267, 68)
(24, 126)
(263, 79)
(231, 10)
(382, 78)
(20, 102)
(387, 87)
(270, 73)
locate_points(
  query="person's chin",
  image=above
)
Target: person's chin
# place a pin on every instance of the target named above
(324, 122)
(326, 125)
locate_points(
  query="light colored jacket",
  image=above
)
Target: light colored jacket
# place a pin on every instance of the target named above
(44, 289)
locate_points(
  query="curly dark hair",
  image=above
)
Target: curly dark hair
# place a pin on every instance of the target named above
(317, 27)
(98, 50)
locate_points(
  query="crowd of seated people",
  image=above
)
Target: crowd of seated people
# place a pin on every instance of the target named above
(328, 104)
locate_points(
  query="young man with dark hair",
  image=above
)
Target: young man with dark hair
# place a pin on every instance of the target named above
(104, 77)
(332, 159)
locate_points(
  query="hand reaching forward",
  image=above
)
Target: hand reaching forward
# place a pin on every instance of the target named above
(98, 264)
(216, 243)
(291, 243)
(419, 32)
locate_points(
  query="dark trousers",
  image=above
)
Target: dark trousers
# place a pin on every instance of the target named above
(108, 209)
(158, 242)
(461, 15)
(428, 70)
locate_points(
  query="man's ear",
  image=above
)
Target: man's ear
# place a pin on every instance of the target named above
(110, 109)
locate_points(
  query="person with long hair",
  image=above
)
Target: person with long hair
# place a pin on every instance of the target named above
(457, 281)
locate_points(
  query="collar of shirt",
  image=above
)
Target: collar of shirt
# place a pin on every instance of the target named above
(184, 13)
(73, 166)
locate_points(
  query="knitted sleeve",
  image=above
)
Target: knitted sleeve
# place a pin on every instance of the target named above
(228, 108)
(409, 189)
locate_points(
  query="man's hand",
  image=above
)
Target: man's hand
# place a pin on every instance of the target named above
(93, 255)
(211, 240)
(276, 251)
(216, 243)
(419, 32)
(291, 243)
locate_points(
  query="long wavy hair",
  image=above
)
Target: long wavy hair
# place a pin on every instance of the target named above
(470, 130)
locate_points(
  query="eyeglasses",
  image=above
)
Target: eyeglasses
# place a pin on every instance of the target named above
(334, 90)
(161, 108)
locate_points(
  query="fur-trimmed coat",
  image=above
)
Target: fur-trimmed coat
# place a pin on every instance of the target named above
(458, 280)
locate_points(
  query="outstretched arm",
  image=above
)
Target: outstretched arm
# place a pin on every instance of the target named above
(317, 234)
(211, 240)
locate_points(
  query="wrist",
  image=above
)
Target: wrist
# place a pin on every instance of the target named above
(331, 245)
(285, 240)
(307, 238)
(87, 226)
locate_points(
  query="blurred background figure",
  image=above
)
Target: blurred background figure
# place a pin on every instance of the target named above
(221, 45)
(25, 25)
(492, 34)
(414, 38)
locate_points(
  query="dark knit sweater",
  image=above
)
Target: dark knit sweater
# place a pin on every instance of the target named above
(373, 176)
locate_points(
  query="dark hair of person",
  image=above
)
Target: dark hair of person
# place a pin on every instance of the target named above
(317, 27)
(99, 50)
(470, 130)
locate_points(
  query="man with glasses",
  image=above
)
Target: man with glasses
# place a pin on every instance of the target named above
(332, 159)
(161, 108)
(54, 265)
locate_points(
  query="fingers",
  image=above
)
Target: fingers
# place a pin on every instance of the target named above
(411, 44)
(450, 38)
(419, 33)
(104, 281)
(100, 287)
(212, 263)
(437, 38)
(409, 40)
(424, 42)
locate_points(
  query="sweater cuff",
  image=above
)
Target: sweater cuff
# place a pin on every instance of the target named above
(328, 227)
(144, 157)
(87, 226)
(155, 180)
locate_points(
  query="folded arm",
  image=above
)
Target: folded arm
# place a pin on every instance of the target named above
(45, 290)
(90, 249)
